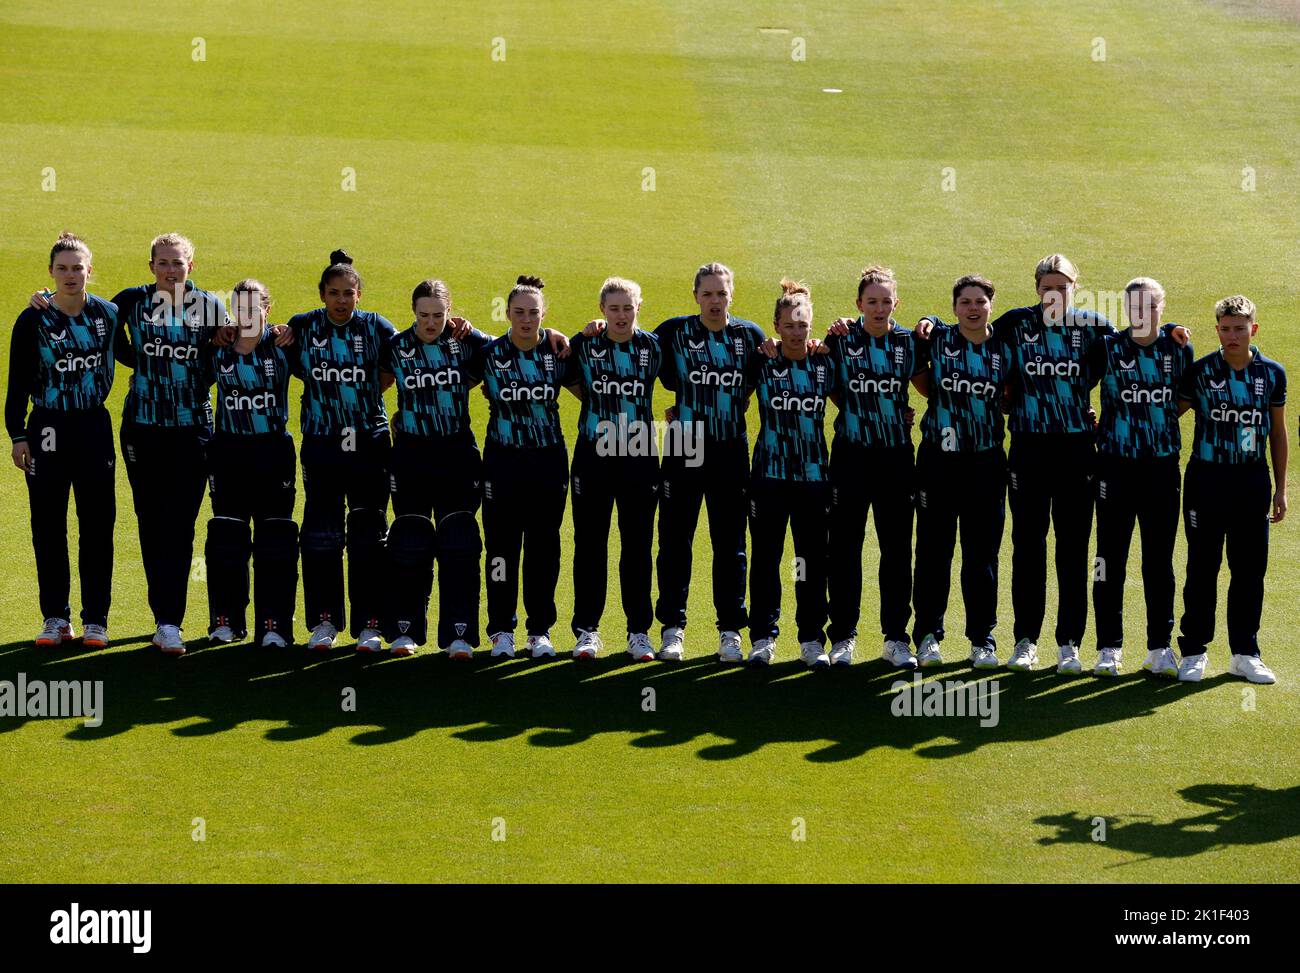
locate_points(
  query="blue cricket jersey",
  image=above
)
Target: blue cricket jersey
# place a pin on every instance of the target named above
(966, 385)
(167, 348)
(59, 362)
(617, 380)
(1049, 373)
(252, 388)
(792, 397)
(706, 370)
(1139, 394)
(1233, 420)
(872, 377)
(433, 381)
(523, 389)
(339, 368)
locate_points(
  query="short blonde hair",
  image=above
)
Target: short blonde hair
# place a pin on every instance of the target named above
(1237, 306)
(875, 274)
(171, 240)
(1144, 284)
(793, 293)
(1055, 263)
(613, 285)
(714, 269)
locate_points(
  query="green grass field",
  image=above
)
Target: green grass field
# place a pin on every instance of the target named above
(477, 169)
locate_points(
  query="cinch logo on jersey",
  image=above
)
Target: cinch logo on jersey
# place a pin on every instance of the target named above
(875, 386)
(339, 365)
(329, 372)
(874, 374)
(1137, 395)
(432, 382)
(523, 390)
(1036, 366)
(1139, 404)
(610, 386)
(708, 376)
(514, 392)
(240, 403)
(957, 383)
(437, 378)
(706, 370)
(792, 411)
(1233, 408)
(78, 363)
(252, 389)
(1245, 417)
(76, 351)
(964, 413)
(619, 378)
(171, 382)
(166, 349)
(1049, 361)
(786, 402)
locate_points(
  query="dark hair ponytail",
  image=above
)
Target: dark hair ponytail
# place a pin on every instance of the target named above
(526, 284)
(340, 266)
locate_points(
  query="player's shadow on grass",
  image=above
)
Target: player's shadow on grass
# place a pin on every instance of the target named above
(723, 712)
(1240, 814)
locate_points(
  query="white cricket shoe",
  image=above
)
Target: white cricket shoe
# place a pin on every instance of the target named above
(322, 637)
(370, 641)
(984, 657)
(273, 640)
(1162, 662)
(403, 646)
(1192, 668)
(503, 645)
(56, 632)
(1107, 662)
(763, 652)
(899, 655)
(842, 652)
(1024, 656)
(540, 646)
(589, 645)
(813, 655)
(928, 654)
(1067, 660)
(674, 645)
(95, 637)
(639, 647)
(460, 649)
(223, 634)
(168, 638)
(729, 648)
(1252, 669)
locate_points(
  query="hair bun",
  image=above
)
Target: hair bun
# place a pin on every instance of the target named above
(528, 281)
(789, 286)
(340, 257)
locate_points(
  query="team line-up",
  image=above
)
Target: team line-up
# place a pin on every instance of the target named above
(1036, 365)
